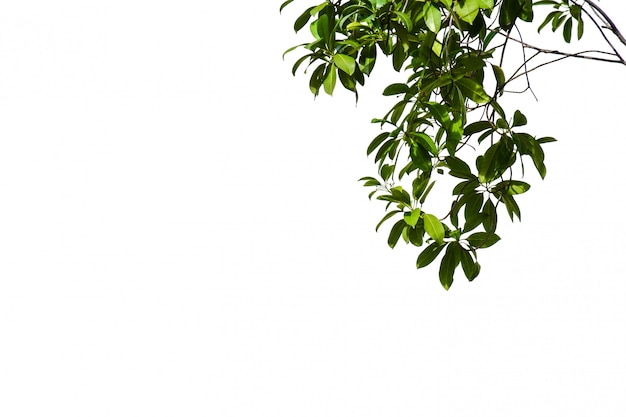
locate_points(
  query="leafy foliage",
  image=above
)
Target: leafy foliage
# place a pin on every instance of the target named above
(448, 120)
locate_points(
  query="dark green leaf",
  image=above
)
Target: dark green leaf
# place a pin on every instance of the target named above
(401, 195)
(500, 79)
(458, 168)
(512, 187)
(449, 262)
(454, 134)
(476, 127)
(511, 206)
(548, 19)
(430, 187)
(303, 19)
(377, 141)
(419, 185)
(483, 239)
(282, 6)
(429, 254)
(470, 268)
(387, 217)
(567, 30)
(384, 150)
(394, 89)
(519, 119)
(395, 233)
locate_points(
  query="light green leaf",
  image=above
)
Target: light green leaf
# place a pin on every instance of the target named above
(434, 228)
(345, 63)
(411, 218)
(432, 18)
(468, 10)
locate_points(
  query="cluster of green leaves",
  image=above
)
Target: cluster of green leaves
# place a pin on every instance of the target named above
(452, 50)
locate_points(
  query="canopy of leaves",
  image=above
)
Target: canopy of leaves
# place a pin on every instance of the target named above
(452, 51)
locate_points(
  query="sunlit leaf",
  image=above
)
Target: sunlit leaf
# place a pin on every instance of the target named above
(434, 228)
(345, 63)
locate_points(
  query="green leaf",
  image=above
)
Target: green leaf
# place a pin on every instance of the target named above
(411, 218)
(377, 141)
(483, 239)
(472, 210)
(500, 79)
(454, 134)
(449, 262)
(567, 30)
(432, 18)
(496, 160)
(470, 268)
(401, 195)
(511, 206)
(581, 27)
(387, 217)
(395, 233)
(472, 90)
(416, 234)
(405, 18)
(421, 157)
(548, 18)
(547, 139)
(316, 79)
(330, 80)
(468, 10)
(519, 119)
(476, 127)
(458, 168)
(303, 19)
(439, 112)
(384, 149)
(509, 12)
(394, 89)
(429, 254)
(426, 141)
(430, 187)
(419, 185)
(345, 63)
(512, 187)
(434, 228)
(285, 4)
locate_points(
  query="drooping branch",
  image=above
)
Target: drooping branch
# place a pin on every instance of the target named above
(608, 22)
(617, 54)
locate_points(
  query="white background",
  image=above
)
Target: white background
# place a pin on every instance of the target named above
(182, 233)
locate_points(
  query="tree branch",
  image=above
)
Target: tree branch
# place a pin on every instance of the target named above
(608, 21)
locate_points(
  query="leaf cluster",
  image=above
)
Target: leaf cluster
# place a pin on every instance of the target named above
(447, 121)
